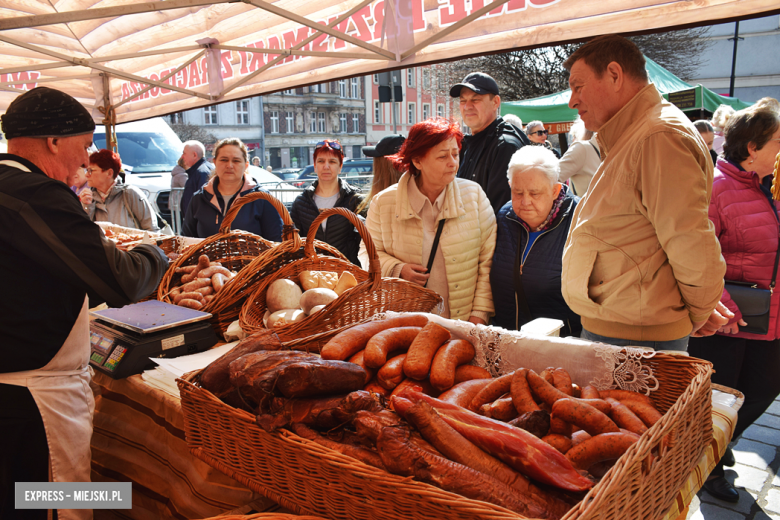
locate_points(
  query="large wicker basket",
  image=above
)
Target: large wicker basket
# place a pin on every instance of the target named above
(235, 249)
(372, 295)
(310, 479)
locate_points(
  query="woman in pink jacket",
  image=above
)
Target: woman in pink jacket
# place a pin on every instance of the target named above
(747, 224)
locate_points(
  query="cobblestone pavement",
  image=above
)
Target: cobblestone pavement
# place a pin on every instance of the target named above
(755, 475)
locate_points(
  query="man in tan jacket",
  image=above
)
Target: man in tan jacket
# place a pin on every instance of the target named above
(642, 265)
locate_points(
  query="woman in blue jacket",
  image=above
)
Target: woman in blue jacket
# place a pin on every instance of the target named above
(532, 231)
(229, 182)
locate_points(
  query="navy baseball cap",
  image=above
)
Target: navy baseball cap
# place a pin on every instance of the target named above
(388, 145)
(479, 82)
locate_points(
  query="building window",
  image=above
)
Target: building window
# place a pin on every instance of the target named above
(323, 88)
(426, 74)
(210, 115)
(242, 112)
(409, 77)
(313, 122)
(426, 111)
(410, 116)
(177, 118)
(274, 122)
(290, 91)
(440, 110)
(315, 89)
(321, 122)
(290, 119)
(355, 124)
(343, 88)
(355, 88)
(376, 79)
(377, 112)
(343, 123)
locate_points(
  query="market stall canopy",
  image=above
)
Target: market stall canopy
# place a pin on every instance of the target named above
(141, 59)
(553, 110)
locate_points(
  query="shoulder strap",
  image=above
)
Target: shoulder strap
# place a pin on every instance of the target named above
(597, 150)
(127, 207)
(435, 247)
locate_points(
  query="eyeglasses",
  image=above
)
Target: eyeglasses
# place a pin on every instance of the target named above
(333, 145)
(540, 132)
(92, 170)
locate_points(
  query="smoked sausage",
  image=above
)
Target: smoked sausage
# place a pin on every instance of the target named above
(447, 359)
(423, 349)
(348, 342)
(388, 341)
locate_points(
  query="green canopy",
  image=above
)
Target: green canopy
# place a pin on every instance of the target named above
(554, 108)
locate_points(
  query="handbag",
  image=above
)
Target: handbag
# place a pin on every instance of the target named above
(753, 302)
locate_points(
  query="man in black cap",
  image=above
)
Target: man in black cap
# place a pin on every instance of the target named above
(57, 263)
(484, 157)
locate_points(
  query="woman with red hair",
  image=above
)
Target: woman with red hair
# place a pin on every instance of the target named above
(434, 229)
(110, 199)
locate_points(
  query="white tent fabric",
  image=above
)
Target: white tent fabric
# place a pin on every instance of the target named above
(136, 60)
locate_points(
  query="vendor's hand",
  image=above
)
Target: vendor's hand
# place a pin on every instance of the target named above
(415, 273)
(733, 328)
(86, 197)
(719, 317)
(477, 321)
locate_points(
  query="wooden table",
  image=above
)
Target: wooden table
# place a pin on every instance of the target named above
(139, 437)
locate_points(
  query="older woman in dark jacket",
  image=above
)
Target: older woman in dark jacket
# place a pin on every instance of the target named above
(532, 231)
(329, 191)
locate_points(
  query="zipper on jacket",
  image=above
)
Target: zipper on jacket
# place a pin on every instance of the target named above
(522, 262)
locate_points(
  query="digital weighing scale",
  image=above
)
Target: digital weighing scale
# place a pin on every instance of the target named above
(122, 340)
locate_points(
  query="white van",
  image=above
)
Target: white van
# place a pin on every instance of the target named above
(149, 150)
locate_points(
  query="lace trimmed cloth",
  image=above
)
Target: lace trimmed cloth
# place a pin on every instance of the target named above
(588, 363)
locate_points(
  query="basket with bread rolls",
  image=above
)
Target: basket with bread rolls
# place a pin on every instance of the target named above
(318, 295)
(247, 259)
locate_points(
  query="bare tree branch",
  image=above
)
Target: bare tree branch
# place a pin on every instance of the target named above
(532, 73)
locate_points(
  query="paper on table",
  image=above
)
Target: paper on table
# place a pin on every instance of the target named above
(184, 364)
(164, 376)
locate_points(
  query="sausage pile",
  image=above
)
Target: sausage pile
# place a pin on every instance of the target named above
(196, 285)
(532, 443)
(592, 428)
(405, 351)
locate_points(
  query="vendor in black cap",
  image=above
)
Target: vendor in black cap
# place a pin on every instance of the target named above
(56, 263)
(485, 155)
(385, 174)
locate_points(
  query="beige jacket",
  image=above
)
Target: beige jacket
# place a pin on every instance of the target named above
(642, 260)
(467, 241)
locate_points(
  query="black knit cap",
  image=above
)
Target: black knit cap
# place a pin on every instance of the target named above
(46, 112)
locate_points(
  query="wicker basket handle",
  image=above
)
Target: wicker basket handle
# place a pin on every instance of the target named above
(373, 267)
(288, 230)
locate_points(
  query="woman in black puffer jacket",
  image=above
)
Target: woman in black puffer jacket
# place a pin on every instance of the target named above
(328, 191)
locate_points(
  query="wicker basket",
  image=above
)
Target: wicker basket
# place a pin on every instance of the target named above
(308, 478)
(372, 295)
(231, 298)
(235, 249)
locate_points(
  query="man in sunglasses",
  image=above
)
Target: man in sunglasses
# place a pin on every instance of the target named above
(538, 135)
(485, 154)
